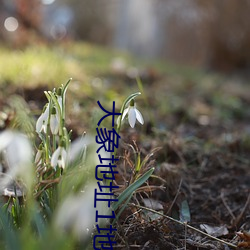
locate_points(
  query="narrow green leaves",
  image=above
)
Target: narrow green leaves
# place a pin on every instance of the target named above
(132, 188)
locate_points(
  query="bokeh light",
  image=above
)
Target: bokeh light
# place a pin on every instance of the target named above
(58, 31)
(48, 2)
(11, 24)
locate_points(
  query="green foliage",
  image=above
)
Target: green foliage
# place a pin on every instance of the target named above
(132, 188)
(34, 64)
(47, 65)
(47, 215)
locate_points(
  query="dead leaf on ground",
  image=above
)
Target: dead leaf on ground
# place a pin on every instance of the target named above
(245, 236)
(215, 231)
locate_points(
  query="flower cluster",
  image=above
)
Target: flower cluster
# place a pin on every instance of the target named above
(52, 151)
(56, 152)
(50, 116)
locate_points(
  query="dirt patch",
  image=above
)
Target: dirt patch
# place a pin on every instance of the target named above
(203, 163)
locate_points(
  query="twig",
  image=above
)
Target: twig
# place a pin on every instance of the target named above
(227, 207)
(122, 246)
(173, 202)
(184, 224)
(185, 242)
(239, 217)
(47, 185)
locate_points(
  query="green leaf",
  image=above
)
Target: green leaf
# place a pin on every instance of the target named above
(130, 189)
(122, 209)
(39, 222)
(11, 237)
(138, 163)
(65, 87)
(129, 98)
(185, 212)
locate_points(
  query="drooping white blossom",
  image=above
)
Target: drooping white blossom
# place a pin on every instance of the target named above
(59, 157)
(133, 114)
(59, 99)
(42, 122)
(76, 214)
(54, 121)
(17, 151)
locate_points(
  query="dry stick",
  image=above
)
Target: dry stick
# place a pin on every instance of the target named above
(227, 207)
(237, 220)
(184, 224)
(175, 198)
(48, 185)
(135, 246)
(185, 242)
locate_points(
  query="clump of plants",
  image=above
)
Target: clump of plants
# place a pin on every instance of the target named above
(48, 180)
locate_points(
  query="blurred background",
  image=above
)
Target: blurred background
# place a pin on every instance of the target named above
(193, 60)
(212, 34)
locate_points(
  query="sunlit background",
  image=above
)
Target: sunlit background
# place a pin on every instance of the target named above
(190, 61)
(212, 34)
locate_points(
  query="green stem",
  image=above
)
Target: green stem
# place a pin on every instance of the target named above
(54, 142)
(52, 95)
(65, 87)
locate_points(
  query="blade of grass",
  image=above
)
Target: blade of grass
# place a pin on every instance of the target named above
(130, 189)
(11, 239)
(122, 209)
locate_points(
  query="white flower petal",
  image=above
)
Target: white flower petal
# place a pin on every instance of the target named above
(44, 127)
(18, 155)
(54, 124)
(59, 99)
(76, 148)
(61, 163)
(19, 151)
(39, 123)
(133, 114)
(64, 154)
(139, 116)
(59, 157)
(132, 117)
(5, 139)
(46, 113)
(63, 158)
(42, 121)
(55, 156)
(76, 214)
(124, 113)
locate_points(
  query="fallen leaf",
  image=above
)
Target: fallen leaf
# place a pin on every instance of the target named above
(245, 236)
(183, 208)
(152, 204)
(155, 205)
(215, 231)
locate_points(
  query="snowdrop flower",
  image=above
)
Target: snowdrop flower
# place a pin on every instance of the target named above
(76, 214)
(17, 152)
(42, 122)
(133, 114)
(59, 157)
(78, 148)
(54, 121)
